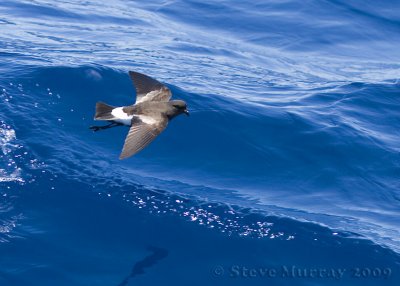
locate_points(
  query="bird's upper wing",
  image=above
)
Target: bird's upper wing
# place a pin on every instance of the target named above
(144, 129)
(149, 89)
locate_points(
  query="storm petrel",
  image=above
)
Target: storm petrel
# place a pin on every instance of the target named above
(147, 118)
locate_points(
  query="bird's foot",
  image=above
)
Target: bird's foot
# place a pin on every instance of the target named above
(95, 128)
(112, 124)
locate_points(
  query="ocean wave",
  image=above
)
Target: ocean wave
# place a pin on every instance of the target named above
(293, 137)
(329, 131)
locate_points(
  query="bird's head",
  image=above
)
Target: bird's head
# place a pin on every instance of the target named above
(178, 107)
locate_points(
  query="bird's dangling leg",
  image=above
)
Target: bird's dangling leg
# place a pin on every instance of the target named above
(112, 124)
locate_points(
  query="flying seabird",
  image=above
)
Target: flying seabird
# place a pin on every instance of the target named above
(147, 118)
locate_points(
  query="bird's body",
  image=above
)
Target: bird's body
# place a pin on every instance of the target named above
(148, 117)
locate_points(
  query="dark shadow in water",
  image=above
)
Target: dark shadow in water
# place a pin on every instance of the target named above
(148, 261)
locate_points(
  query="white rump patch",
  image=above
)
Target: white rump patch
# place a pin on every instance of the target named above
(147, 119)
(121, 116)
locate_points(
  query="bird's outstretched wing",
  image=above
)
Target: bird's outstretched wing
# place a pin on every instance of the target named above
(143, 131)
(149, 89)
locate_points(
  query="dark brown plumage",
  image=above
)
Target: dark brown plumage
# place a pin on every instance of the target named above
(147, 118)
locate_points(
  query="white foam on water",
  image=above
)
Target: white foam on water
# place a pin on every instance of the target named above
(9, 171)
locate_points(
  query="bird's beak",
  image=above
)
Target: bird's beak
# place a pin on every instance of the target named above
(186, 112)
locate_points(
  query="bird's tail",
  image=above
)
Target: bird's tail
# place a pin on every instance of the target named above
(103, 111)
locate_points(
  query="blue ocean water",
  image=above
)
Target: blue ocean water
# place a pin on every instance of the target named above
(289, 162)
